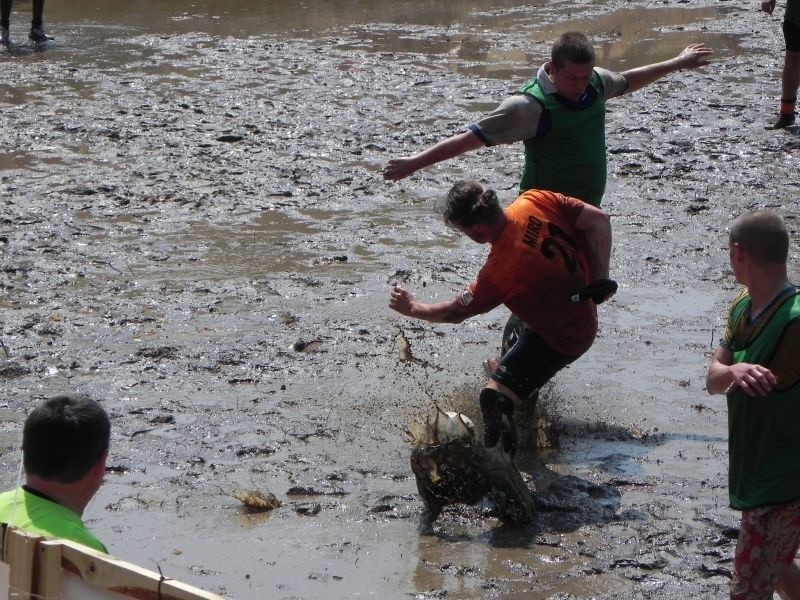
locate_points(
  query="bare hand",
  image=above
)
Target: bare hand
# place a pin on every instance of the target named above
(398, 168)
(693, 56)
(753, 380)
(768, 6)
(401, 301)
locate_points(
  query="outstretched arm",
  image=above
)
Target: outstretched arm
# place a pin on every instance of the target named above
(693, 56)
(722, 377)
(398, 168)
(450, 311)
(597, 226)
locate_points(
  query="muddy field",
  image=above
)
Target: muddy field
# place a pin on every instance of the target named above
(195, 230)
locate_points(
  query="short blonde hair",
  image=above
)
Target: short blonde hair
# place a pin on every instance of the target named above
(763, 236)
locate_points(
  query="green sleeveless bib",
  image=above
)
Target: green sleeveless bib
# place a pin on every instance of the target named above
(571, 157)
(764, 432)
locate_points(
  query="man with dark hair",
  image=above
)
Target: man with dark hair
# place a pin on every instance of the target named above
(64, 449)
(757, 366)
(790, 76)
(560, 116)
(545, 247)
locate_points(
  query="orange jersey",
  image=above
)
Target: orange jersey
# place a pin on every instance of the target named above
(536, 264)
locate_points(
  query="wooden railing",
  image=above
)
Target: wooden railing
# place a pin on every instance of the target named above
(47, 569)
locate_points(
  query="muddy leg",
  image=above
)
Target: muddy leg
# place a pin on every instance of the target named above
(498, 420)
(429, 516)
(513, 497)
(527, 422)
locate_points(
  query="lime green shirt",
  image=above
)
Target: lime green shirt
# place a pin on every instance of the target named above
(37, 514)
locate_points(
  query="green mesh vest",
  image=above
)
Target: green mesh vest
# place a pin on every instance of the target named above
(764, 432)
(571, 157)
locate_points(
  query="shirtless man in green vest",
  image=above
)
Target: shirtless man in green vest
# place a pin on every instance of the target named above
(758, 366)
(560, 117)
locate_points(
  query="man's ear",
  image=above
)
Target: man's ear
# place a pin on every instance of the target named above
(99, 467)
(737, 252)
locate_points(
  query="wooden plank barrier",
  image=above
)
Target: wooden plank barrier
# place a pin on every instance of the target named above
(19, 550)
(45, 569)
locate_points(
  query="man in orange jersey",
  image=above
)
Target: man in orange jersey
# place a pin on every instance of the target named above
(549, 255)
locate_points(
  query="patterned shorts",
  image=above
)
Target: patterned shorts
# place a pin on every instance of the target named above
(768, 541)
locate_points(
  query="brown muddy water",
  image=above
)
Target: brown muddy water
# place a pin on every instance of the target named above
(194, 229)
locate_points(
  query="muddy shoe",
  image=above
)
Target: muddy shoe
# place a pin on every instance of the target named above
(38, 35)
(784, 121)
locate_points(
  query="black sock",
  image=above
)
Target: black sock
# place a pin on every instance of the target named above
(492, 420)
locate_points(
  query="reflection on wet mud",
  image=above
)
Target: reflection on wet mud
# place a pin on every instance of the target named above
(14, 160)
(623, 39)
(255, 17)
(271, 242)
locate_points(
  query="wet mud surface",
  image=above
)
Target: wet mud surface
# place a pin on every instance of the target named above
(194, 229)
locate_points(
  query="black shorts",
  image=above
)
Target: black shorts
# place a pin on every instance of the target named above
(791, 34)
(529, 364)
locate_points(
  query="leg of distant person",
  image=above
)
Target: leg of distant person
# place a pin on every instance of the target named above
(38, 14)
(37, 33)
(5, 20)
(790, 81)
(790, 78)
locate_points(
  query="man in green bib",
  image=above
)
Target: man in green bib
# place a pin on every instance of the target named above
(64, 449)
(758, 366)
(560, 117)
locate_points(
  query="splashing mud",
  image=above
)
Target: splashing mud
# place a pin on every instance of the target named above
(452, 467)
